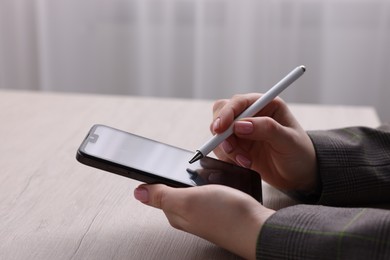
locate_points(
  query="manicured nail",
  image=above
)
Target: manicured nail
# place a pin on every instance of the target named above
(141, 194)
(227, 147)
(243, 127)
(243, 161)
(216, 124)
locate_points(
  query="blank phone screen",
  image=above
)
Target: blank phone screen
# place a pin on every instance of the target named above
(166, 161)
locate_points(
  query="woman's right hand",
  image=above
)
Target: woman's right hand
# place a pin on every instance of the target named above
(272, 143)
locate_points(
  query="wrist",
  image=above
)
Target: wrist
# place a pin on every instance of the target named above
(249, 249)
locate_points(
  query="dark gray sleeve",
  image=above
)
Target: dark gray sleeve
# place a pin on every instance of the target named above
(321, 232)
(354, 165)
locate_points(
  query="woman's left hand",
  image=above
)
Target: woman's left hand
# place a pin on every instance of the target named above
(224, 216)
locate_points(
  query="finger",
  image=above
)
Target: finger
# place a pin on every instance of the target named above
(278, 110)
(226, 111)
(249, 131)
(225, 150)
(218, 105)
(223, 156)
(173, 202)
(263, 129)
(155, 195)
(240, 153)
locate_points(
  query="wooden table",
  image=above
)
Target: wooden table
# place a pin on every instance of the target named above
(52, 207)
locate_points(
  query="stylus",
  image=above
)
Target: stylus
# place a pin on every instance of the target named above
(250, 112)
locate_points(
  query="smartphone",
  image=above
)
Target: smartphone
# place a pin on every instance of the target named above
(149, 161)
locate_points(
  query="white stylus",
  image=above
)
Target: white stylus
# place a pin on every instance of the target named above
(250, 112)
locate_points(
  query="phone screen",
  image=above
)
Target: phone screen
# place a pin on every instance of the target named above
(146, 160)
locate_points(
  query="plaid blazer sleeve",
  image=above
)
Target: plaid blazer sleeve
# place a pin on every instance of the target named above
(354, 169)
(322, 232)
(354, 165)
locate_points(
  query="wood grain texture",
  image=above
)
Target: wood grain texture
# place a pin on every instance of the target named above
(52, 207)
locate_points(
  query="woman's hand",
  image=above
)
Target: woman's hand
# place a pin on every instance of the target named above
(271, 143)
(222, 215)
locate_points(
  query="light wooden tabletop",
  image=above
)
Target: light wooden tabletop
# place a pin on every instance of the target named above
(52, 207)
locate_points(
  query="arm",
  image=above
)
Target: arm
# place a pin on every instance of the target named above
(319, 232)
(274, 144)
(354, 169)
(353, 165)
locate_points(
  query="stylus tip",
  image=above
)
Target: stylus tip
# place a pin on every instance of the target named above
(198, 155)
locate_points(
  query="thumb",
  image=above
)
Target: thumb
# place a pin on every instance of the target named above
(153, 195)
(263, 129)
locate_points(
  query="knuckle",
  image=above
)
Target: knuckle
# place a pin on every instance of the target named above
(160, 199)
(269, 124)
(237, 97)
(218, 104)
(279, 102)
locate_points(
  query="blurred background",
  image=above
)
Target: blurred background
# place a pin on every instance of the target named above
(203, 49)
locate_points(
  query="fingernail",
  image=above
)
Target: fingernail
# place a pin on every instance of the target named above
(216, 124)
(141, 194)
(227, 147)
(243, 161)
(243, 127)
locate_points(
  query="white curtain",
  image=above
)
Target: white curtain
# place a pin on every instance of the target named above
(199, 48)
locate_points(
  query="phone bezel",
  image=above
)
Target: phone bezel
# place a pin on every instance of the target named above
(143, 176)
